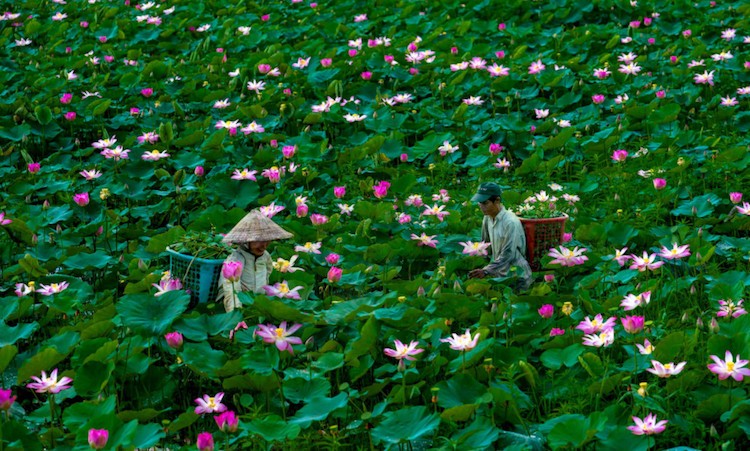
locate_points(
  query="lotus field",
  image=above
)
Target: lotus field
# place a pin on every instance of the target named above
(364, 129)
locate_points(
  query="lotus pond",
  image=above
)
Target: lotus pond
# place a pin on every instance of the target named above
(364, 128)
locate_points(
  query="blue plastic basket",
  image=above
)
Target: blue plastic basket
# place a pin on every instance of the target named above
(200, 276)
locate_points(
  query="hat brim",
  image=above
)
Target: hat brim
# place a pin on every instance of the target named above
(480, 197)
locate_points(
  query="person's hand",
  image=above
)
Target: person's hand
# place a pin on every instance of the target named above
(477, 274)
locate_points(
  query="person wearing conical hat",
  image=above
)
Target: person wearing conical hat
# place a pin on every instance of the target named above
(252, 234)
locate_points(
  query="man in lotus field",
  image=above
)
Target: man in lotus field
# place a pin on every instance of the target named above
(503, 230)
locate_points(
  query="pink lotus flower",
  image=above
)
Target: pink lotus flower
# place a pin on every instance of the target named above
(648, 426)
(728, 308)
(82, 199)
(602, 74)
(334, 274)
(602, 339)
(288, 151)
(147, 92)
(66, 98)
(403, 352)
(436, 210)
(646, 348)
(549, 278)
(536, 67)
(199, 171)
(210, 404)
(730, 366)
(589, 326)
(174, 340)
(425, 240)
(744, 209)
(6, 400)
(70, 116)
(49, 384)
(4, 221)
(463, 342)
(597, 99)
(280, 336)
(165, 285)
(381, 189)
(302, 210)
(660, 183)
(555, 331)
(98, 438)
(318, 219)
(366, 75)
(232, 270)
(667, 369)
(205, 441)
(227, 421)
(632, 324)
(495, 148)
(53, 288)
(34, 167)
(282, 290)
(630, 302)
(339, 191)
(546, 311)
(475, 248)
(244, 174)
(735, 197)
(646, 262)
(676, 252)
(567, 257)
(326, 62)
(619, 155)
(332, 258)
(309, 248)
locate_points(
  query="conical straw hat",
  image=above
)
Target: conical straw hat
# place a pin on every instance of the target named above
(256, 227)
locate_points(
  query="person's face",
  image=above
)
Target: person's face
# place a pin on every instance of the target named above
(490, 208)
(258, 247)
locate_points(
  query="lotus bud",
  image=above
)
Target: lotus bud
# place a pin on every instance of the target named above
(142, 266)
(34, 239)
(457, 286)
(45, 205)
(420, 291)
(713, 326)
(699, 323)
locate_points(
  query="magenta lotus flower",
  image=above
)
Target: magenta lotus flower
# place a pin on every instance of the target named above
(666, 369)
(49, 384)
(210, 404)
(333, 258)
(66, 98)
(82, 199)
(597, 99)
(381, 189)
(339, 191)
(232, 270)
(302, 210)
(3, 220)
(53, 288)
(334, 274)
(6, 400)
(536, 67)
(34, 167)
(632, 324)
(589, 326)
(227, 421)
(199, 171)
(326, 62)
(734, 367)
(147, 92)
(546, 311)
(619, 155)
(70, 116)
(555, 331)
(205, 441)
(463, 342)
(660, 183)
(735, 197)
(288, 151)
(318, 219)
(648, 426)
(174, 340)
(98, 438)
(549, 278)
(280, 336)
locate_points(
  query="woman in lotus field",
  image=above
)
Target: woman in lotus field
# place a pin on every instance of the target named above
(253, 234)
